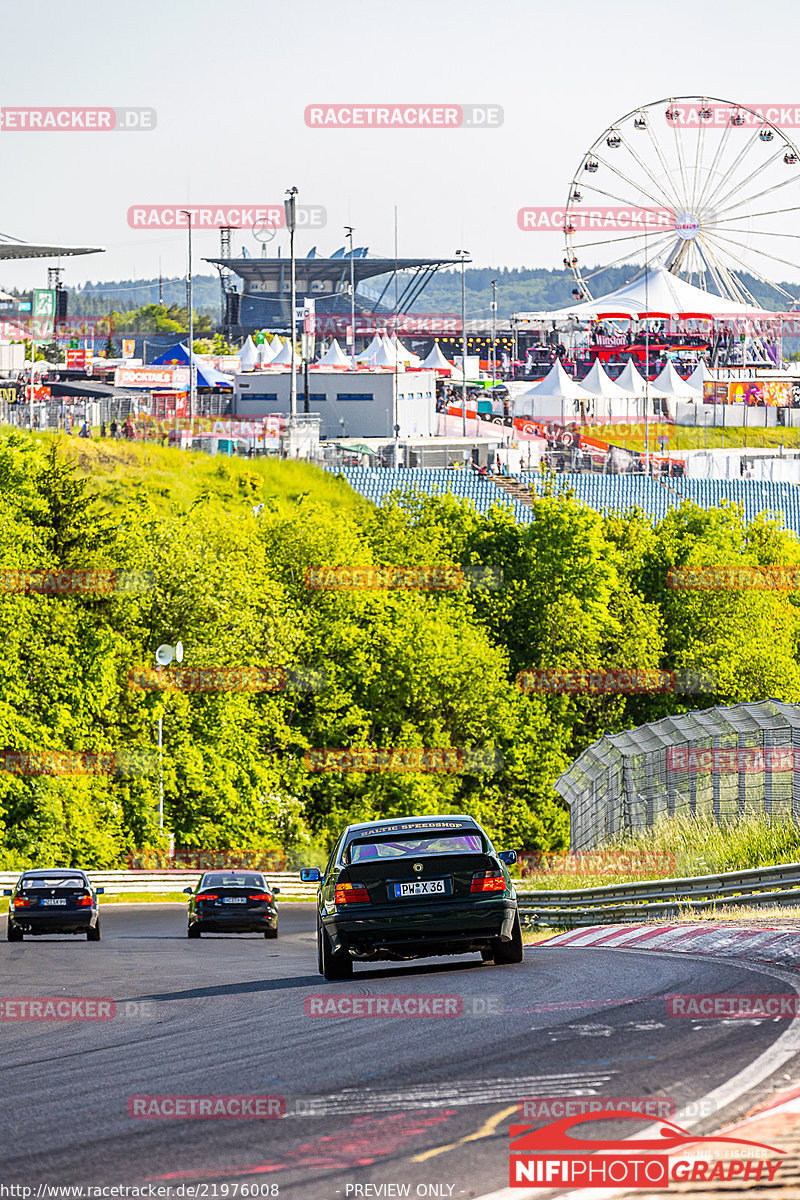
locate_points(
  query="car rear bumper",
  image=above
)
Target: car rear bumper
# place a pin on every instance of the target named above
(73, 920)
(234, 922)
(434, 929)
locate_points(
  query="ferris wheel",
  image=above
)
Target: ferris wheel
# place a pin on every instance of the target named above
(707, 188)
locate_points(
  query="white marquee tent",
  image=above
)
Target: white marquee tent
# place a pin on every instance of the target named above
(334, 356)
(655, 291)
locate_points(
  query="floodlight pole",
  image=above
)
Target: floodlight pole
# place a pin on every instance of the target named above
(190, 301)
(463, 255)
(291, 211)
(349, 230)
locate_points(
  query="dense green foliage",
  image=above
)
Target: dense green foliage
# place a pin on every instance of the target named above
(399, 668)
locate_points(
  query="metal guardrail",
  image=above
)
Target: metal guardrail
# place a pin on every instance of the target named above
(615, 903)
(117, 882)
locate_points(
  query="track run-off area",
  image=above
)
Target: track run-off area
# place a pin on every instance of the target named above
(419, 1100)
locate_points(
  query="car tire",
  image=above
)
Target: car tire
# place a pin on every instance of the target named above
(93, 933)
(271, 933)
(510, 952)
(487, 953)
(319, 947)
(193, 931)
(14, 934)
(334, 966)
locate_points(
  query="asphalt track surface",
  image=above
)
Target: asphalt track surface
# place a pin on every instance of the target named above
(422, 1101)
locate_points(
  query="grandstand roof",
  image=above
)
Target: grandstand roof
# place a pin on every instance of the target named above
(14, 248)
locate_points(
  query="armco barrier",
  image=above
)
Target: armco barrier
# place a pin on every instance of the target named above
(662, 897)
(173, 881)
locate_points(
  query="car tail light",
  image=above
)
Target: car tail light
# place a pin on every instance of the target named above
(260, 896)
(487, 881)
(207, 896)
(21, 902)
(84, 901)
(351, 893)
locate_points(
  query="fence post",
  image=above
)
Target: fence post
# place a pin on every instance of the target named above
(715, 776)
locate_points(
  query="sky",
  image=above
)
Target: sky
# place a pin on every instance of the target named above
(231, 83)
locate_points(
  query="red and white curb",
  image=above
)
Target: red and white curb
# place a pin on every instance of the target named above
(778, 946)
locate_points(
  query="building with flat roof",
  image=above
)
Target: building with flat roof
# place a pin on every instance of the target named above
(350, 404)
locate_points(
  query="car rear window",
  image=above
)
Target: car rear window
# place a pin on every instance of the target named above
(52, 881)
(245, 880)
(377, 848)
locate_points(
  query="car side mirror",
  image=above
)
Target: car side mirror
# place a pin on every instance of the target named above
(310, 875)
(276, 891)
(100, 891)
(509, 857)
(7, 892)
(188, 891)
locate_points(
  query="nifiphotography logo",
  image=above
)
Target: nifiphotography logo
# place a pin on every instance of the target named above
(551, 1156)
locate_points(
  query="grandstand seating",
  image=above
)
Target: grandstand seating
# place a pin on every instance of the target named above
(605, 493)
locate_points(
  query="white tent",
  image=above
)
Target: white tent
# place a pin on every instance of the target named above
(558, 383)
(367, 356)
(670, 383)
(655, 291)
(268, 351)
(554, 397)
(599, 383)
(334, 356)
(284, 359)
(404, 355)
(631, 381)
(248, 354)
(699, 376)
(436, 360)
(384, 355)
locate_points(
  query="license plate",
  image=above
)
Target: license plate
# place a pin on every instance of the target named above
(234, 899)
(421, 887)
(54, 902)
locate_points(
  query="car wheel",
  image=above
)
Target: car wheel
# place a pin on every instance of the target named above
(271, 933)
(510, 952)
(487, 953)
(93, 934)
(193, 931)
(334, 966)
(14, 934)
(319, 947)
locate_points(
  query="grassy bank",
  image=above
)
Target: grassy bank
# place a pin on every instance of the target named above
(691, 437)
(696, 846)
